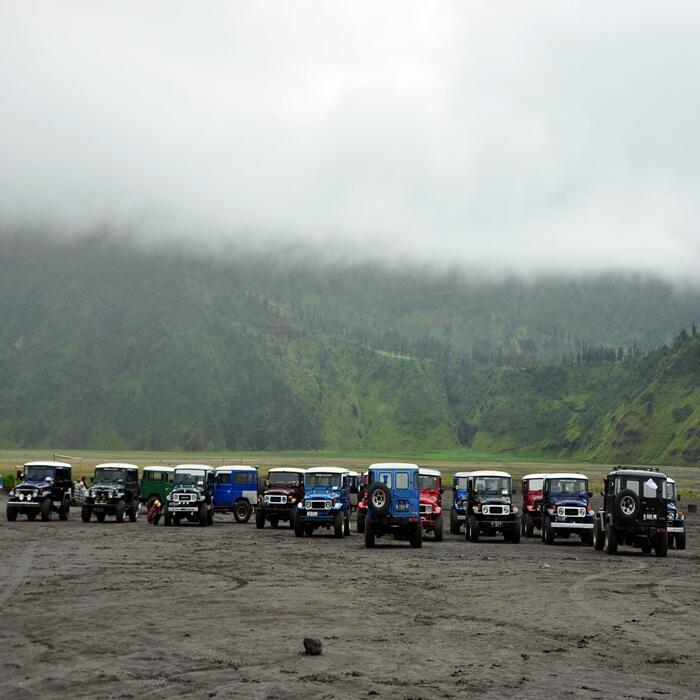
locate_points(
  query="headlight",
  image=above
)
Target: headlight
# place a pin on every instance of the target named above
(307, 505)
(671, 516)
(12, 493)
(514, 509)
(328, 505)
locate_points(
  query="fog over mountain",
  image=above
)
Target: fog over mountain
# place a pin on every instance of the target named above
(526, 137)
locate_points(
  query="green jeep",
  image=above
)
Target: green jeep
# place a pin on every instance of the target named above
(156, 483)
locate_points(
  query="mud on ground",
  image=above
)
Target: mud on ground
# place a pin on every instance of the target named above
(129, 610)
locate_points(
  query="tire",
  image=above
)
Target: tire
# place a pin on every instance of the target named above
(369, 535)
(85, 514)
(298, 527)
(338, 524)
(259, 519)
(242, 511)
(203, 515)
(529, 526)
(210, 516)
(587, 538)
(379, 499)
(627, 506)
(417, 536)
(610, 539)
(680, 540)
(671, 539)
(30, 516)
(454, 523)
(515, 539)
(292, 516)
(308, 529)
(598, 536)
(661, 545)
(346, 525)
(167, 519)
(473, 531)
(11, 514)
(438, 528)
(64, 511)
(133, 512)
(274, 521)
(548, 531)
(100, 517)
(120, 510)
(46, 509)
(361, 522)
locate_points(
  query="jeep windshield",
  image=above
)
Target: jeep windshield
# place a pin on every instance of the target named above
(109, 476)
(38, 473)
(461, 483)
(189, 477)
(283, 478)
(670, 491)
(571, 488)
(321, 480)
(426, 483)
(492, 485)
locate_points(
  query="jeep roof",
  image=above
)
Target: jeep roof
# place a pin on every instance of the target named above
(565, 475)
(488, 472)
(327, 470)
(295, 470)
(236, 468)
(637, 472)
(460, 475)
(527, 477)
(392, 465)
(428, 472)
(115, 465)
(670, 480)
(206, 467)
(158, 468)
(351, 473)
(46, 464)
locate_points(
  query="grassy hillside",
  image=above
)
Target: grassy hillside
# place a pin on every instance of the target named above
(103, 347)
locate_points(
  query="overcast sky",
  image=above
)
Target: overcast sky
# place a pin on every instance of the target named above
(531, 136)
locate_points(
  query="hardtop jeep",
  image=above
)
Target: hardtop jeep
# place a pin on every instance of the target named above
(326, 502)
(192, 496)
(114, 491)
(490, 508)
(531, 509)
(676, 519)
(459, 493)
(284, 489)
(393, 504)
(430, 487)
(566, 508)
(43, 489)
(156, 483)
(236, 491)
(635, 511)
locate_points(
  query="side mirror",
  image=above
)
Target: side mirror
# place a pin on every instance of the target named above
(590, 494)
(514, 491)
(454, 489)
(442, 491)
(679, 498)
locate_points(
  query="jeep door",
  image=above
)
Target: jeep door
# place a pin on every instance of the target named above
(132, 486)
(223, 492)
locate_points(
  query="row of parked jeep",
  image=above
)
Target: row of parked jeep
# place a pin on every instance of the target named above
(640, 506)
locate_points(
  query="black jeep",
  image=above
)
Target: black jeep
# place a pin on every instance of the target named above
(192, 497)
(44, 488)
(634, 511)
(489, 507)
(115, 491)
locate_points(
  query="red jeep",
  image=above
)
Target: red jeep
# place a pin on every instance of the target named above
(284, 488)
(532, 504)
(430, 485)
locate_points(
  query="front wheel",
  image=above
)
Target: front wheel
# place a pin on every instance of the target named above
(346, 525)
(168, 519)
(598, 536)
(438, 528)
(473, 532)
(610, 539)
(64, 511)
(338, 524)
(242, 511)
(203, 515)
(661, 545)
(85, 514)
(587, 538)
(210, 516)
(46, 509)
(515, 535)
(11, 514)
(133, 512)
(369, 535)
(120, 510)
(361, 522)
(417, 536)
(680, 540)
(259, 519)
(548, 531)
(454, 523)
(529, 526)
(298, 527)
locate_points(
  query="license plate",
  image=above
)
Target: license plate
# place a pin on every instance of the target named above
(650, 516)
(496, 523)
(312, 513)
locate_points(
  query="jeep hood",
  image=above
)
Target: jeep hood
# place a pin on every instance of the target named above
(322, 491)
(577, 502)
(281, 491)
(493, 500)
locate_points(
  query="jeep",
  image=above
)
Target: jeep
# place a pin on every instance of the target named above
(490, 508)
(393, 504)
(236, 491)
(326, 502)
(192, 496)
(566, 508)
(114, 491)
(676, 519)
(42, 489)
(459, 494)
(531, 510)
(430, 487)
(635, 511)
(156, 483)
(284, 488)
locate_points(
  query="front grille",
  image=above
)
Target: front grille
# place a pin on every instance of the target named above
(571, 512)
(318, 505)
(275, 500)
(184, 497)
(425, 508)
(495, 510)
(101, 496)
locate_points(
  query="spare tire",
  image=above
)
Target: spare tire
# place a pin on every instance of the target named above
(379, 499)
(627, 506)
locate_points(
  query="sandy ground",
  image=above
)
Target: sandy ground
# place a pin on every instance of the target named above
(129, 610)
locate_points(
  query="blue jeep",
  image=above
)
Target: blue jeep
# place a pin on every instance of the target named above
(676, 519)
(458, 514)
(393, 504)
(236, 491)
(566, 508)
(326, 502)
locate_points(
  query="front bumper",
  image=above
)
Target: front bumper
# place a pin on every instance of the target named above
(28, 505)
(318, 516)
(494, 522)
(188, 509)
(675, 529)
(572, 526)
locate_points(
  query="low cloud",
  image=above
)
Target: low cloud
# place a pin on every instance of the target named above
(527, 137)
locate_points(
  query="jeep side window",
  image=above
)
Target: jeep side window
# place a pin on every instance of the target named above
(223, 478)
(384, 478)
(649, 490)
(241, 477)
